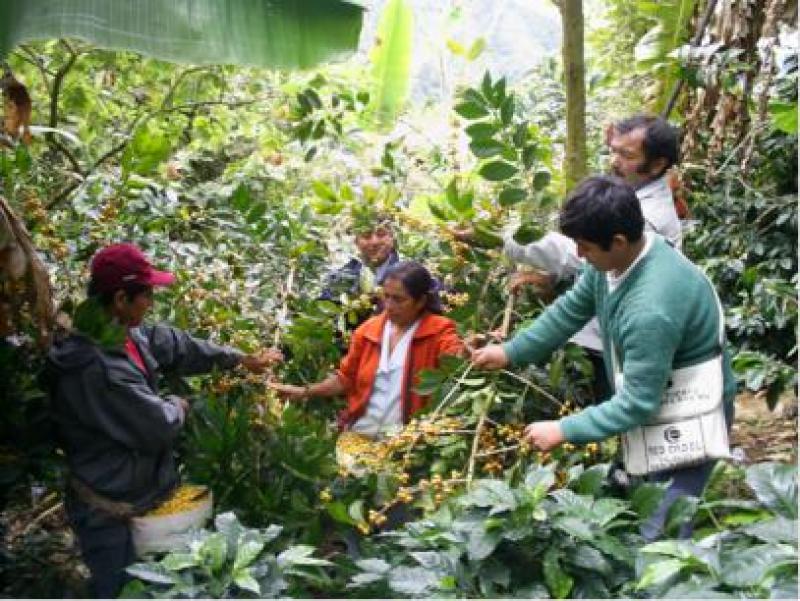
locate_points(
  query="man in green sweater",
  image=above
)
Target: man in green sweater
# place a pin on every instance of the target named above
(654, 307)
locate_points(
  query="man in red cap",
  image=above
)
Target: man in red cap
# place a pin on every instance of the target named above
(116, 429)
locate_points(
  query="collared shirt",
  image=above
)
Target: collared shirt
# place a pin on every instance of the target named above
(615, 280)
(384, 407)
(557, 254)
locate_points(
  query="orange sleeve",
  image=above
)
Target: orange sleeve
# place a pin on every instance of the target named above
(348, 368)
(449, 341)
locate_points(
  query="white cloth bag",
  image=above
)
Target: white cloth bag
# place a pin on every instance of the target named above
(689, 427)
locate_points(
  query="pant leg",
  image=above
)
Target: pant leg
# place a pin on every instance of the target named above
(106, 547)
(688, 481)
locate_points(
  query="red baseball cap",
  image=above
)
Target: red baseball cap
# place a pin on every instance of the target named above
(119, 265)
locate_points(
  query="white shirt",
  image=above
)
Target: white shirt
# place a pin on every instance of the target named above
(614, 281)
(557, 254)
(384, 409)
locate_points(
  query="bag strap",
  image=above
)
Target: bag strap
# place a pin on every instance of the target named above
(721, 338)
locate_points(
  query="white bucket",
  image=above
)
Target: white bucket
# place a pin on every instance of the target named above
(161, 533)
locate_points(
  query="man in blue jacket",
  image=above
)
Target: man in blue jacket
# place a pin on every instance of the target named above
(116, 430)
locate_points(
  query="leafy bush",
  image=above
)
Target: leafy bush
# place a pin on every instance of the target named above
(232, 562)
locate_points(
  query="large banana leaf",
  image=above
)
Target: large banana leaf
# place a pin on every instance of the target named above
(264, 33)
(391, 60)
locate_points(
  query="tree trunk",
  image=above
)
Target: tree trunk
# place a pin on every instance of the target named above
(575, 162)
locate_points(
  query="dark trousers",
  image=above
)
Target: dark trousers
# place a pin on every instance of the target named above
(106, 547)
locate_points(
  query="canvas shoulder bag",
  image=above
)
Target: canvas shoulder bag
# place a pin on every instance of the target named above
(689, 427)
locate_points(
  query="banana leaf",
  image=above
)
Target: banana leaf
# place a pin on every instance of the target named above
(287, 34)
(391, 63)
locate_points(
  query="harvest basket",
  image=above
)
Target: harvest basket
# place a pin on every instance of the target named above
(167, 527)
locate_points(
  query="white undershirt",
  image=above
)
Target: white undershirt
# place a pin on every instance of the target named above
(614, 281)
(384, 409)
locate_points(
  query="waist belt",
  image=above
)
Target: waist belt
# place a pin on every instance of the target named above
(117, 509)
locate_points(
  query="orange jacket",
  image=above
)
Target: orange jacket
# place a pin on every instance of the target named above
(435, 336)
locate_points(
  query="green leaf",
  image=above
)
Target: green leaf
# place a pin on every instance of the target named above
(775, 486)
(415, 582)
(778, 530)
(378, 566)
(481, 543)
(486, 85)
(784, 116)
(481, 131)
(590, 482)
(214, 550)
(574, 526)
(507, 110)
(461, 203)
(646, 498)
(300, 555)
(682, 511)
(589, 558)
(275, 34)
(558, 581)
(241, 198)
(151, 572)
(477, 48)
(529, 232)
(541, 180)
(470, 110)
(324, 191)
(658, 572)
(540, 476)
(491, 493)
(247, 552)
(179, 561)
(391, 60)
(244, 580)
(148, 147)
(511, 196)
(750, 566)
(356, 510)
(455, 47)
(486, 147)
(497, 171)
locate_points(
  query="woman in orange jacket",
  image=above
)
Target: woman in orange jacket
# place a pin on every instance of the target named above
(386, 354)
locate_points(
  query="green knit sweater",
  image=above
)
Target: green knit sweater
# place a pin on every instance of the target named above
(663, 316)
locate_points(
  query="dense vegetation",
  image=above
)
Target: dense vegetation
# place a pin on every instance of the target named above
(243, 180)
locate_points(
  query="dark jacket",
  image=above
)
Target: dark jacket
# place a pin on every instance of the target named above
(347, 279)
(117, 431)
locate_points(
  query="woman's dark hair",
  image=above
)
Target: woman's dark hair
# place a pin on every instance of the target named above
(418, 282)
(599, 208)
(105, 298)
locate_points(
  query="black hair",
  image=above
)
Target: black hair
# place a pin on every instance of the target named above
(599, 208)
(106, 298)
(661, 140)
(418, 282)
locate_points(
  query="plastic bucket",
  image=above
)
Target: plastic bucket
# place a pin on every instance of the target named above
(162, 533)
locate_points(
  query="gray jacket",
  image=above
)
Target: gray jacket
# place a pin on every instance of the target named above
(116, 430)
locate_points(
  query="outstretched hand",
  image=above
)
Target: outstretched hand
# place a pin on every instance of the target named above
(490, 357)
(259, 362)
(543, 435)
(289, 391)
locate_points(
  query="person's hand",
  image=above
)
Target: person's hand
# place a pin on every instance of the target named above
(258, 362)
(490, 357)
(520, 279)
(463, 233)
(543, 435)
(290, 391)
